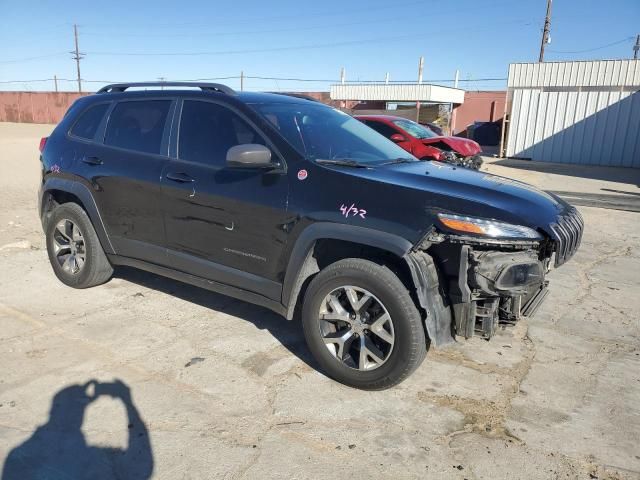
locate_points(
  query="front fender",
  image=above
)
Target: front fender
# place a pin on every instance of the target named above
(301, 263)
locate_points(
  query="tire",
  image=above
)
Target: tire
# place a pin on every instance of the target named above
(91, 266)
(336, 283)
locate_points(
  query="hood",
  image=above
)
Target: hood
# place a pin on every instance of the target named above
(445, 188)
(462, 146)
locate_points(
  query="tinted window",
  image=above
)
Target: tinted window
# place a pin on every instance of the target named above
(381, 128)
(321, 132)
(88, 123)
(208, 130)
(138, 125)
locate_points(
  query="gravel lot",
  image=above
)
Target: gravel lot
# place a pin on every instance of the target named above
(223, 389)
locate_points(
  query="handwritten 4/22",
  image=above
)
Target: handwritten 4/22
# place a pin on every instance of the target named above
(352, 210)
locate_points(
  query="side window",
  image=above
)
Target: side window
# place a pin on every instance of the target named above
(87, 124)
(138, 125)
(381, 128)
(208, 130)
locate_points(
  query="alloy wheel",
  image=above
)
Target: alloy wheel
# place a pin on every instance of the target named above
(356, 328)
(69, 247)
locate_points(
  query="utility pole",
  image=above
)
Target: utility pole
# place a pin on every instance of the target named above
(420, 70)
(241, 80)
(55, 82)
(77, 56)
(545, 31)
(162, 79)
(342, 75)
(386, 78)
(636, 47)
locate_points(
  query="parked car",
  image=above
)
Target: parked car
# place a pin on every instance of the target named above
(295, 206)
(424, 143)
(434, 128)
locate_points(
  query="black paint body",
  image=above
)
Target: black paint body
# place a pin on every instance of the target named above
(247, 232)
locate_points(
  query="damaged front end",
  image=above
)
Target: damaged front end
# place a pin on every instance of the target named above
(489, 281)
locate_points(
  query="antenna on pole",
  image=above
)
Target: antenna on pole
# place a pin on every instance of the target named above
(77, 56)
(545, 32)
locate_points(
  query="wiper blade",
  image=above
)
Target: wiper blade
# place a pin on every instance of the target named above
(399, 160)
(342, 163)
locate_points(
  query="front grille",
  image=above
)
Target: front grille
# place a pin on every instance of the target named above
(568, 234)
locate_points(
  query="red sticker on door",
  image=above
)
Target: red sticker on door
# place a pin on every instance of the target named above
(302, 174)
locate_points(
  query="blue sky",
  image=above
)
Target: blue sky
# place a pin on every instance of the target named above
(129, 40)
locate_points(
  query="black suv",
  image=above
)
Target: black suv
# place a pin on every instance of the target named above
(293, 205)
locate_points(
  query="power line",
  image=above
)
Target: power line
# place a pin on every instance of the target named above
(596, 48)
(29, 59)
(257, 77)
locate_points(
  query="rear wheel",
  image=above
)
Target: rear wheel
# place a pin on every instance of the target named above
(74, 250)
(362, 326)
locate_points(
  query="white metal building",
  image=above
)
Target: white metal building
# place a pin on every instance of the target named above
(575, 112)
(417, 92)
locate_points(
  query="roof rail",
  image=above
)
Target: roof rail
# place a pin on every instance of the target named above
(207, 87)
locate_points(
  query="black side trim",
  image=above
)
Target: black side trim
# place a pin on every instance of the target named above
(210, 285)
(336, 231)
(224, 274)
(84, 194)
(198, 267)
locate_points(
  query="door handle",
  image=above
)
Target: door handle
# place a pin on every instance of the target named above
(91, 160)
(179, 177)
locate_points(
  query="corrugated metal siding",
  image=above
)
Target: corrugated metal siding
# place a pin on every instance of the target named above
(576, 112)
(575, 74)
(398, 92)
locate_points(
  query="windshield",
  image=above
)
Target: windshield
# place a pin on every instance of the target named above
(415, 129)
(322, 132)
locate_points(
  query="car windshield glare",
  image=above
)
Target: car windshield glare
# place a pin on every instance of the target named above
(321, 132)
(414, 129)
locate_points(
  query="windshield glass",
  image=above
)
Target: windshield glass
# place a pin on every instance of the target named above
(414, 129)
(322, 132)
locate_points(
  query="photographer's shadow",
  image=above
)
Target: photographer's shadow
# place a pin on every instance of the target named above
(58, 449)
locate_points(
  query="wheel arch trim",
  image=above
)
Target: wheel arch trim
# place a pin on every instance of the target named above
(88, 203)
(302, 264)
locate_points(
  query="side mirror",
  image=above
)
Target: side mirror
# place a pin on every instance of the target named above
(249, 155)
(396, 137)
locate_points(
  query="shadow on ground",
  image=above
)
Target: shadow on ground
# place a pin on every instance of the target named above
(288, 333)
(59, 450)
(609, 174)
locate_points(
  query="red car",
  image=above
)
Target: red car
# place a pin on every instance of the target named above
(424, 143)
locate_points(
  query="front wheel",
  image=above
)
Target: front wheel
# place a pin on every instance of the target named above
(362, 326)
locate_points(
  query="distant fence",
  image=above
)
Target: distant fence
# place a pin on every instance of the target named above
(35, 107)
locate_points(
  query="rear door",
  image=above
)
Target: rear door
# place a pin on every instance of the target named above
(223, 224)
(125, 174)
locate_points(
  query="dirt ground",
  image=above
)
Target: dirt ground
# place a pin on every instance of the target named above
(210, 387)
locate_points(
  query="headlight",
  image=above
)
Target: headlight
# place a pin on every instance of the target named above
(487, 228)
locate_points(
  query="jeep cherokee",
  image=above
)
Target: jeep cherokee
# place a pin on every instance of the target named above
(295, 206)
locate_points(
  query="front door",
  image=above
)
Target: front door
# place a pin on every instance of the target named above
(223, 224)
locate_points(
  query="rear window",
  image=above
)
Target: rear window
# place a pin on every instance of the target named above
(87, 124)
(138, 125)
